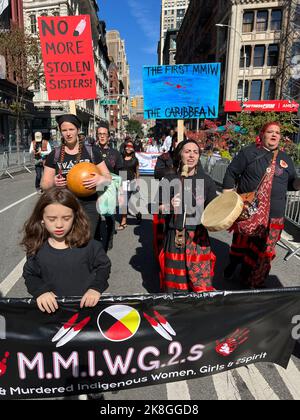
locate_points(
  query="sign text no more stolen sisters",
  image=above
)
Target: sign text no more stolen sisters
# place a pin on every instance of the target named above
(187, 91)
(68, 57)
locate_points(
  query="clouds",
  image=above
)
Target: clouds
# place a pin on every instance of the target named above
(147, 21)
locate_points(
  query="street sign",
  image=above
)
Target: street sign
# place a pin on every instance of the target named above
(109, 102)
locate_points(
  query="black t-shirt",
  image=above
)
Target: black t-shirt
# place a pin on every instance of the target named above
(113, 159)
(248, 168)
(130, 168)
(70, 161)
(67, 272)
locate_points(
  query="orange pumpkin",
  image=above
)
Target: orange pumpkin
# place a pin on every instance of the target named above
(79, 173)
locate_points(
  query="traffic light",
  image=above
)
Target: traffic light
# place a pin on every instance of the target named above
(133, 103)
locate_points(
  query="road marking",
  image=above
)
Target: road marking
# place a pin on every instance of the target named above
(291, 379)
(256, 383)
(178, 391)
(12, 278)
(226, 387)
(18, 202)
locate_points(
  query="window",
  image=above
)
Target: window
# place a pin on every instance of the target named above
(240, 90)
(262, 20)
(33, 26)
(248, 51)
(248, 21)
(269, 91)
(276, 20)
(256, 87)
(273, 55)
(259, 56)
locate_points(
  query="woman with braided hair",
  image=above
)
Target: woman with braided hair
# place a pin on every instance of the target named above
(73, 151)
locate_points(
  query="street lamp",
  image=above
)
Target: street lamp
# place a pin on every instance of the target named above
(222, 25)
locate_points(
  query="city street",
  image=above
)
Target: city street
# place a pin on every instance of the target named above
(134, 271)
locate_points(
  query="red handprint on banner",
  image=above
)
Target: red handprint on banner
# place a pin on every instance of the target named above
(227, 347)
(3, 366)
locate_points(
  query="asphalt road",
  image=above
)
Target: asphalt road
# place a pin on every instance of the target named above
(134, 271)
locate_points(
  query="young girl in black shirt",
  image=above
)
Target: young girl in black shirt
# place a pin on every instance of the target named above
(62, 260)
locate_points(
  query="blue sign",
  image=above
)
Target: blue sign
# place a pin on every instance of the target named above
(182, 92)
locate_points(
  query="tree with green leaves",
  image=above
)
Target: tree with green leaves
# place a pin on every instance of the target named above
(134, 128)
(23, 57)
(251, 124)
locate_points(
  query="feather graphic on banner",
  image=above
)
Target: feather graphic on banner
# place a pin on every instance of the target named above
(3, 5)
(158, 328)
(80, 27)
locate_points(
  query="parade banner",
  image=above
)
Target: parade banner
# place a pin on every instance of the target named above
(147, 162)
(68, 58)
(141, 340)
(188, 91)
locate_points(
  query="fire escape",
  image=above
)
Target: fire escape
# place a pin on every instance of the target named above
(289, 70)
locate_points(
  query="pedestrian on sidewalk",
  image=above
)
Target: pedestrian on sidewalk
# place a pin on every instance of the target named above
(40, 149)
(114, 163)
(62, 260)
(73, 151)
(265, 169)
(186, 261)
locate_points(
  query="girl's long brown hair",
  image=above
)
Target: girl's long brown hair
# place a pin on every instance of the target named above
(35, 233)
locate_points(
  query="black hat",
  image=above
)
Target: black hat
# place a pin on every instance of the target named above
(70, 118)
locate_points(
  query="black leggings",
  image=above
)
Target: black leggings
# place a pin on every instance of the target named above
(91, 211)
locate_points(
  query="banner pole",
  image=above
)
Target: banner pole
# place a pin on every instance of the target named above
(180, 130)
(72, 106)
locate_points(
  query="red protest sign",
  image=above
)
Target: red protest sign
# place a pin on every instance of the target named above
(68, 57)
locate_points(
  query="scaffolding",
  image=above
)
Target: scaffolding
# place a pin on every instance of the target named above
(289, 68)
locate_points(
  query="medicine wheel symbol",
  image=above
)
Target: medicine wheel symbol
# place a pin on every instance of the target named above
(119, 323)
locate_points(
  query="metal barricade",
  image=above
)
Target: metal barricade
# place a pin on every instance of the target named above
(292, 214)
(13, 162)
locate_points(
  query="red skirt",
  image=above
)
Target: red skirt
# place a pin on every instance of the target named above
(256, 254)
(190, 269)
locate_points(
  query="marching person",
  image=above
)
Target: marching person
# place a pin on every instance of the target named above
(62, 260)
(114, 163)
(187, 262)
(248, 173)
(164, 166)
(130, 182)
(73, 151)
(40, 149)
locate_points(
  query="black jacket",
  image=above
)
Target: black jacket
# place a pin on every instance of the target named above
(248, 168)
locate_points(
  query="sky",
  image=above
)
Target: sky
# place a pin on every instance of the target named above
(138, 22)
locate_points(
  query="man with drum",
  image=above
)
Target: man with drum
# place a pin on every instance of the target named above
(264, 168)
(73, 151)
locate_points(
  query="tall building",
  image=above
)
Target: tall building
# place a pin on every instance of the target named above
(90, 111)
(248, 43)
(11, 13)
(172, 15)
(117, 50)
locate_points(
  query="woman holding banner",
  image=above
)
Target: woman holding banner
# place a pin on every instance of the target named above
(186, 261)
(269, 172)
(73, 151)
